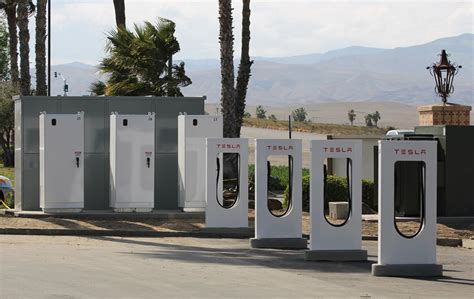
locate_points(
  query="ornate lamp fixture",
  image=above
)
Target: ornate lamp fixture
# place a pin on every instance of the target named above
(443, 73)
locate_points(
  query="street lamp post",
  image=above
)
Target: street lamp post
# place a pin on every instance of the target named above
(443, 73)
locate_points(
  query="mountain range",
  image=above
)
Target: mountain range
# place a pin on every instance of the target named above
(342, 75)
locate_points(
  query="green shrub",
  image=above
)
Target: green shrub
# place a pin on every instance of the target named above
(279, 177)
(336, 190)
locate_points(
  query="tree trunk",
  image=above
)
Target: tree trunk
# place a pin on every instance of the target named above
(226, 38)
(7, 145)
(25, 79)
(119, 6)
(41, 88)
(243, 77)
(10, 11)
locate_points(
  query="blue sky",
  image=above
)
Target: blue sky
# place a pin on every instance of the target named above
(279, 28)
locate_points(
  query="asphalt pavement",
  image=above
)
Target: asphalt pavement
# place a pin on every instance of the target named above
(114, 267)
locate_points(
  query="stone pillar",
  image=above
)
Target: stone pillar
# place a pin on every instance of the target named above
(449, 114)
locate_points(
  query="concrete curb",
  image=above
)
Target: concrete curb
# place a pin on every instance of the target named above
(211, 233)
(109, 215)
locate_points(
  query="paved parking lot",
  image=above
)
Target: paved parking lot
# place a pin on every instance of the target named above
(112, 267)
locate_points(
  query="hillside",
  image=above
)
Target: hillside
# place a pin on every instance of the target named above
(317, 128)
(351, 74)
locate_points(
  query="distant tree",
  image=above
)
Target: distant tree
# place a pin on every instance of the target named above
(368, 120)
(272, 117)
(376, 117)
(299, 114)
(97, 88)
(352, 116)
(247, 115)
(7, 123)
(119, 6)
(4, 53)
(40, 48)
(260, 112)
(137, 62)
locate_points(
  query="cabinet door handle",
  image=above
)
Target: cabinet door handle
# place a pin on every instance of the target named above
(148, 162)
(77, 162)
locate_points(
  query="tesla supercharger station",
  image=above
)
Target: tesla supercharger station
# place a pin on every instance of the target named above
(217, 214)
(192, 133)
(343, 241)
(132, 162)
(399, 255)
(61, 143)
(285, 231)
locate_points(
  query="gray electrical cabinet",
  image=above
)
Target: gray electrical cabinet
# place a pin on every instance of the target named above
(455, 186)
(455, 168)
(97, 112)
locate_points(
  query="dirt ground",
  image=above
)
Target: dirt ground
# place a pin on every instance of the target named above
(462, 231)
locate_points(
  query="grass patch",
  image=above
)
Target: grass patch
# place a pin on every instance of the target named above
(324, 129)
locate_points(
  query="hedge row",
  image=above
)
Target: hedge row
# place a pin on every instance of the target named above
(336, 190)
(278, 177)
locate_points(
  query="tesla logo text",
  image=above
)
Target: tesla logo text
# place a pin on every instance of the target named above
(338, 149)
(280, 147)
(230, 146)
(410, 152)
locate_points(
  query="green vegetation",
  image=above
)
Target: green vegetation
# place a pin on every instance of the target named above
(336, 190)
(260, 112)
(272, 117)
(372, 119)
(299, 114)
(139, 62)
(278, 177)
(324, 129)
(352, 116)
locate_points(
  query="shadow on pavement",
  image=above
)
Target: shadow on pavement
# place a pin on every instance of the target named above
(278, 259)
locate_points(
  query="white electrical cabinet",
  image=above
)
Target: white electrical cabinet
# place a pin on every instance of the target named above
(192, 133)
(61, 143)
(132, 162)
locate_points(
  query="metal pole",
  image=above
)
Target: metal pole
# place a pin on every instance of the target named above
(49, 48)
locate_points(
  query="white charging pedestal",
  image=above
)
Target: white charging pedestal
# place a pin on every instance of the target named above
(330, 242)
(61, 145)
(284, 232)
(192, 133)
(399, 255)
(216, 214)
(132, 162)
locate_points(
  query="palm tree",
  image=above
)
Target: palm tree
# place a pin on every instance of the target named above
(376, 117)
(119, 6)
(226, 37)
(233, 98)
(97, 88)
(24, 34)
(137, 62)
(8, 7)
(352, 116)
(41, 88)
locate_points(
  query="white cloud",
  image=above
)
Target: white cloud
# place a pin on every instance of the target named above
(279, 28)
